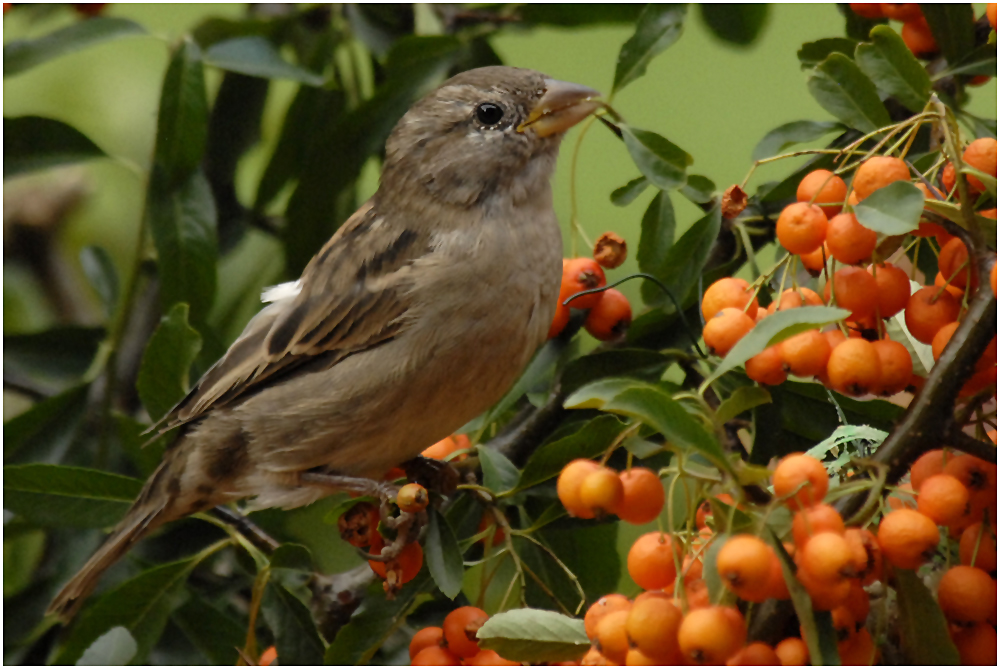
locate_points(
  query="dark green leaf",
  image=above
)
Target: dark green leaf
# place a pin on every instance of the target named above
(658, 225)
(444, 558)
(953, 27)
(534, 635)
(141, 605)
(924, 630)
(661, 161)
(46, 430)
(855, 26)
(699, 189)
(631, 362)
(374, 621)
(23, 551)
(58, 496)
(182, 123)
(813, 53)
(182, 221)
(982, 61)
(53, 358)
(796, 132)
(36, 143)
(657, 28)
(682, 265)
(213, 632)
(100, 271)
(889, 63)
(567, 16)
(21, 55)
(590, 441)
(257, 57)
(743, 399)
(144, 455)
(163, 374)
(295, 634)
(499, 474)
(768, 332)
(292, 556)
(841, 88)
(710, 570)
(735, 23)
(113, 649)
(892, 210)
(629, 192)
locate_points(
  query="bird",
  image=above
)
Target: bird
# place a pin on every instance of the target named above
(417, 315)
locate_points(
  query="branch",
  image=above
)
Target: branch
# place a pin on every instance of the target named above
(968, 444)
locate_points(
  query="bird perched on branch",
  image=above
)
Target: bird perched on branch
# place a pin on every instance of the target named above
(417, 315)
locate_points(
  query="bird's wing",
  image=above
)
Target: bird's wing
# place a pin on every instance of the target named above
(352, 296)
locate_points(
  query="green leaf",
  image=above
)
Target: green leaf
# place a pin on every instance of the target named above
(626, 194)
(292, 556)
(924, 630)
(257, 57)
(163, 374)
(658, 225)
(685, 260)
(534, 635)
(35, 143)
(50, 424)
(813, 53)
(295, 634)
(499, 474)
(699, 189)
(889, 63)
(856, 26)
(735, 23)
(374, 621)
(773, 329)
(100, 271)
(845, 434)
(182, 122)
(953, 27)
(661, 161)
(22, 555)
(710, 569)
(22, 55)
(55, 358)
(922, 354)
(892, 210)
(789, 134)
(841, 88)
(141, 605)
(60, 496)
(595, 395)
(982, 61)
(114, 648)
(656, 29)
(630, 362)
(743, 399)
(444, 557)
(213, 632)
(588, 442)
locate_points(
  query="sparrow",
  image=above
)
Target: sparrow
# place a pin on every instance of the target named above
(415, 317)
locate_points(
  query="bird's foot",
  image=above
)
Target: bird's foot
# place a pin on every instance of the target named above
(383, 491)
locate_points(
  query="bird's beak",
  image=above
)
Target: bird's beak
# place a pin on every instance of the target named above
(562, 106)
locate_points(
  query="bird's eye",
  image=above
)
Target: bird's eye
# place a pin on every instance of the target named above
(488, 113)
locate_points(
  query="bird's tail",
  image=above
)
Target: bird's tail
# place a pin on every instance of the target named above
(149, 511)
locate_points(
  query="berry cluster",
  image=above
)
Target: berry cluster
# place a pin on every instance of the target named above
(608, 312)
(589, 490)
(455, 643)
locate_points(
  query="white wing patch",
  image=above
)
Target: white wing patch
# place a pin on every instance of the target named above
(282, 291)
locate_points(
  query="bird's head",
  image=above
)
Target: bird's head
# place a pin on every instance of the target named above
(485, 131)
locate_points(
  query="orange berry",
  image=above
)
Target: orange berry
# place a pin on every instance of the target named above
(878, 172)
(823, 188)
(827, 557)
(696, 593)
(901, 11)
(767, 367)
(907, 538)
(560, 319)
(442, 449)
(942, 498)
(777, 587)
(581, 274)
(981, 154)
(866, 554)
(966, 595)
(651, 561)
(896, 366)
(977, 645)
(636, 658)
(593, 658)
(986, 553)
(926, 466)
(826, 595)
(602, 607)
(953, 261)
(756, 654)
(268, 657)
(643, 496)
(610, 250)
(858, 603)
(489, 658)
(460, 629)
(793, 652)
(801, 227)
(725, 329)
(975, 474)
(709, 636)
(569, 483)
(806, 353)
(849, 241)
(359, 524)
(854, 367)
(602, 492)
(612, 638)
(435, 656)
(652, 626)
(858, 651)
(728, 292)
(425, 638)
(796, 297)
(401, 570)
(609, 318)
(854, 289)
(813, 520)
(412, 498)
(918, 38)
(991, 16)
(814, 260)
(803, 475)
(744, 564)
(957, 292)
(942, 338)
(705, 509)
